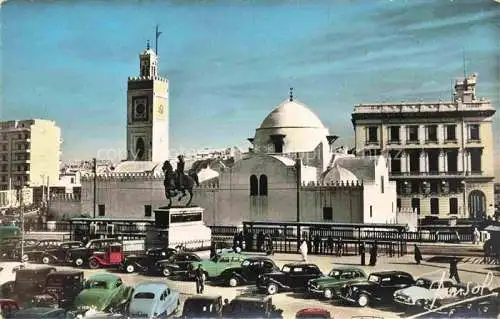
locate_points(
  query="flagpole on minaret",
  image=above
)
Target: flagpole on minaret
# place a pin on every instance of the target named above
(157, 35)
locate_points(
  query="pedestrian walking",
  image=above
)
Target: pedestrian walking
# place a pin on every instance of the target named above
(340, 247)
(362, 253)
(373, 254)
(316, 244)
(329, 244)
(476, 236)
(270, 248)
(199, 277)
(454, 269)
(303, 250)
(417, 254)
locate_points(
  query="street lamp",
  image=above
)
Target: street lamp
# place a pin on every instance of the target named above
(20, 189)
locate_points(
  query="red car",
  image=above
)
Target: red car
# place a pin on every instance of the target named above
(313, 313)
(8, 307)
(111, 257)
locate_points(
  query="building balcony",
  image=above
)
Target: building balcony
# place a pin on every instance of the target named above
(394, 142)
(430, 174)
(412, 141)
(450, 141)
(432, 141)
(372, 143)
(473, 141)
(422, 107)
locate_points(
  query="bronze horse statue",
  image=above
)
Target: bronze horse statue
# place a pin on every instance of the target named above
(172, 187)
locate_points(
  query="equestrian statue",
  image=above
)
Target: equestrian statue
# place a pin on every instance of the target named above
(177, 182)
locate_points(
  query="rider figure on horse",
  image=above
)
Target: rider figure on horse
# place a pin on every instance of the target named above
(180, 172)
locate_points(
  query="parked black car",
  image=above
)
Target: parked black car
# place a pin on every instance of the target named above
(292, 277)
(202, 307)
(59, 253)
(62, 287)
(380, 286)
(79, 256)
(36, 252)
(28, 283)
(251, 307)
(248, 272)
(177, 264)
(143, 263)
(11, 249)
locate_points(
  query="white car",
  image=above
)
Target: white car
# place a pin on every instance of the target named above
(424, 292)
(8, 275)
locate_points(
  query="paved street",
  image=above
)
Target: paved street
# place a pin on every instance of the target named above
(292, 302)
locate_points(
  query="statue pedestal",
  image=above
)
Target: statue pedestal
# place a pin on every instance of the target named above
(183, 226)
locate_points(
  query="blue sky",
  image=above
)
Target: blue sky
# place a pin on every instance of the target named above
(231, 62)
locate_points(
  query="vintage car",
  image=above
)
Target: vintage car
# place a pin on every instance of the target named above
(292, 277)
(29, 283)
(36, 252)
(62, 287)
(328, 286)
(143, 263)
(425, 292)
(10, 249)
(103, 292)
(177, 264)
(8, 307)
(112, 256)
(153, 300)
(78, 256)
(215, 266)
(380, 287)
(7, 269)
(59, 253)
(313, 313)
(196, 307)
(248, 271)
(251, 307)
(41, 313)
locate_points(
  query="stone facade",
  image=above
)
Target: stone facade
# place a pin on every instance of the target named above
(440, 153)
(228, 200)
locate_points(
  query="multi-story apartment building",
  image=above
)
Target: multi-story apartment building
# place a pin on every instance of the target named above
(30, 153)
(439, 153)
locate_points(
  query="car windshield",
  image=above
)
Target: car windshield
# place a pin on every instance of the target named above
(334, 273)
(97, 284)
(424, 283)
(373, 278)
(286, 269)
(144, 295)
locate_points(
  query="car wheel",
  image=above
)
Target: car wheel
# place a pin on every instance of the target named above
(130, 269)
(78, 262)
(328, 293)
(363, 300)
(46, 260)
(272, 289)
(233, 282)
(166, 272)
(93, 264)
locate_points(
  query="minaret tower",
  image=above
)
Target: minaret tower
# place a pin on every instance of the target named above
(147, 112)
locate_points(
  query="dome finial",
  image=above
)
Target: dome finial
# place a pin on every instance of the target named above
(291, 94)
(147, 45)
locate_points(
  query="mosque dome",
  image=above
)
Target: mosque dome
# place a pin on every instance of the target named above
(339, 174)
(291, 114)
(290, 128)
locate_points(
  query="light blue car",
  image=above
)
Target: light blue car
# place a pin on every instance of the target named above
(153, 300)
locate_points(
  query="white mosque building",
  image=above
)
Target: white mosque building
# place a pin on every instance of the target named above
(292, 153)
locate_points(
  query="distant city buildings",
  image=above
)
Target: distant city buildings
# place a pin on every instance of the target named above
(440, 153)
(30, 153)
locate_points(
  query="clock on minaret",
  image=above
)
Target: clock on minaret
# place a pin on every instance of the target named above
(140, 108)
